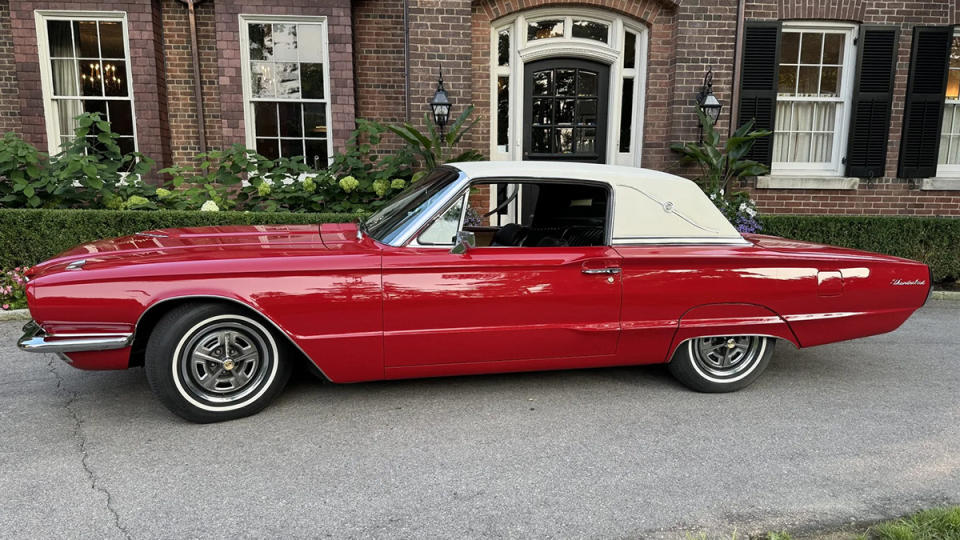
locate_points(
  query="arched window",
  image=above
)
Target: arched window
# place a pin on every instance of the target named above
(567, 84)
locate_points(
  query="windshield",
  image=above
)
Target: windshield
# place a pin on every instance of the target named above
(386, 225)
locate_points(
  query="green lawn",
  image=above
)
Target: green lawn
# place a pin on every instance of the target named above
(935, 524)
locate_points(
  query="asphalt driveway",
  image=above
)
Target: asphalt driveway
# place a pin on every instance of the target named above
(862, 430)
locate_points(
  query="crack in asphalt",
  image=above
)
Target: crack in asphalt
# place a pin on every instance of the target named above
(81, 441)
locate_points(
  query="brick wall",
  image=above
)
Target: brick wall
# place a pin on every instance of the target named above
(379, 65)
(178, 61)
(9, 94)
(146, 72)
(378, 59)
(887, 195)
(440, 34)
(341, 60)
(706, 38)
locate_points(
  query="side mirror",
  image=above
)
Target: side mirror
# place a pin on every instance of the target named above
(465, 241)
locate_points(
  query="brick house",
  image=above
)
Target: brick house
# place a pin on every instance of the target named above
(863, 96)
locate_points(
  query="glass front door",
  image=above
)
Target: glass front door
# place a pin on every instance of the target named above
(565, 110)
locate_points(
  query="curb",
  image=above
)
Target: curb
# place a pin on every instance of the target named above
(15, 315)
(946, 295)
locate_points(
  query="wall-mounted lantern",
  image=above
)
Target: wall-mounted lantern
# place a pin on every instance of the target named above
(708, 102)
(440, 104)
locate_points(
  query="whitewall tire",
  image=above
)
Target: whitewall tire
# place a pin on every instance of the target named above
(210, 362)
(721, 363)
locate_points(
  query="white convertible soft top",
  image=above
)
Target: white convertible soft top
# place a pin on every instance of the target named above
(650, 207)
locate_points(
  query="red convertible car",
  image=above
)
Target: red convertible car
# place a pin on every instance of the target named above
(478, 268)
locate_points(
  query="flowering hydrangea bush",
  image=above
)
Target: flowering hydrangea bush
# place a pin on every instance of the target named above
(12, 293)
(87, 176)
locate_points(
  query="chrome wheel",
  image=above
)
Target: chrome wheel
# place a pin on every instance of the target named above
(726, 357)
(224, 362)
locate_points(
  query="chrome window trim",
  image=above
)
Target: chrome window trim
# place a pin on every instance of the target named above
(409, 230)
(517, 179)
(690, 240)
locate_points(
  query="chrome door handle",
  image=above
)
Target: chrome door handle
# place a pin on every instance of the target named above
(612, 270)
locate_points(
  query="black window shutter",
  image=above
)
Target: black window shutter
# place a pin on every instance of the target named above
(758, 83)
(872, 100)
(923, 111)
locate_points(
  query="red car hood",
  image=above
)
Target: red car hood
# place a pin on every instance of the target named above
(328, 235)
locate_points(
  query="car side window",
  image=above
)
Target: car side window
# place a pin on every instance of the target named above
(538, 214)
(443, 230)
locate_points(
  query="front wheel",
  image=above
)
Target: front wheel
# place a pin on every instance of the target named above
(208, 363)
(721, 363)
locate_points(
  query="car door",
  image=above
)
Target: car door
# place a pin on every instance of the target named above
(495, 304)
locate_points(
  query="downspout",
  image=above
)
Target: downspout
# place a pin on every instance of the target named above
(406, 60)
(737, 60)
(197, 90)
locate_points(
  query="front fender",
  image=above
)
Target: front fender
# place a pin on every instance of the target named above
(730, 319)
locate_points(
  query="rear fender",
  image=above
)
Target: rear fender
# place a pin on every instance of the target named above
(730, 320)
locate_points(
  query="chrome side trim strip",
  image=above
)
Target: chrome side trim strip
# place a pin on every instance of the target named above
(34, 339)
(676, 240)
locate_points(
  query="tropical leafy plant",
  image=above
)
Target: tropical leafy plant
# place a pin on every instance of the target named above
(432, 148)
(721, 168)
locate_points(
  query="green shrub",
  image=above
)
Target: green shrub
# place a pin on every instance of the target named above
(92, 172)
(238, 178)
(934, 241)
(31, 236)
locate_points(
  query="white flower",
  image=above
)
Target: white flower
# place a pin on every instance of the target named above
(209, 206)
(748, 209)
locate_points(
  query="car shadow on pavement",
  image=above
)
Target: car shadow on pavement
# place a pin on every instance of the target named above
(127, 394)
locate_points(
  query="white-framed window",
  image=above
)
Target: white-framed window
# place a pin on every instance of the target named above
(569, 32)
(948, 162)
(286, 87)
(85, 68)
(815, 88)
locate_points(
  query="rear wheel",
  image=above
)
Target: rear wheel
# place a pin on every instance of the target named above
(209, 362)
(721, 363)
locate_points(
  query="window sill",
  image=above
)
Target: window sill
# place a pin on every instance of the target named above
(940, 183)
(807, 182)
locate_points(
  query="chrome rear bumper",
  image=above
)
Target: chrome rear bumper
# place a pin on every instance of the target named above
(34, 339)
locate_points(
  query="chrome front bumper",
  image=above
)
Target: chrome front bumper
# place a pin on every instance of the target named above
(34, 339)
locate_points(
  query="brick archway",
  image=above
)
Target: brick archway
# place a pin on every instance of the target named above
(659, 16)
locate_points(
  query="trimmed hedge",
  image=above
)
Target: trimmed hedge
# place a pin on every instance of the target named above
(31, 236)
(934, 241)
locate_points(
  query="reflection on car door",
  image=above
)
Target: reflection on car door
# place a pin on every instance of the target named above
(499, 303)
